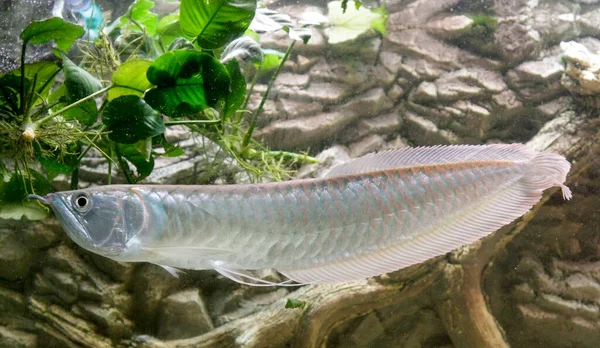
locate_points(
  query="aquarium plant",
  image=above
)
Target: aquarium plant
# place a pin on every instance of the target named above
(141, 75)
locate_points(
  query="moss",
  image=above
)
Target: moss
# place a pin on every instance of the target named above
(564, 61)
(483, 22)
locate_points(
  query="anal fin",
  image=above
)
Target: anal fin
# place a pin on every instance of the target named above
(246, 278)
(172, 270)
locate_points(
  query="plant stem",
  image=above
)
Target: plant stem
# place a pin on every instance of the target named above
(189, 122)
(266, 95)
(75, 178)
(123, 165)
(68, 107)
(22, 100)
(109, 179)
(296, 156)
(254, 79)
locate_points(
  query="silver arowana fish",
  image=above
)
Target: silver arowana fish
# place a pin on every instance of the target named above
(373, 215)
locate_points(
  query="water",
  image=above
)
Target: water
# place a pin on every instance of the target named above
(446, 72)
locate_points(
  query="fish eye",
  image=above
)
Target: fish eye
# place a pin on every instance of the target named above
(82, 202)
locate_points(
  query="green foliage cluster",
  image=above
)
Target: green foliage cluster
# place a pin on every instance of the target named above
(483, 24)
(142, 75)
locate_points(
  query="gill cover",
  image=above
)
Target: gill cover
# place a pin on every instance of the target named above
(102, 222)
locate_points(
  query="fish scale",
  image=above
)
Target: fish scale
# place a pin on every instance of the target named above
(372, 215)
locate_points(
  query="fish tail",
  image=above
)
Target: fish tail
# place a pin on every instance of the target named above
(547, 170)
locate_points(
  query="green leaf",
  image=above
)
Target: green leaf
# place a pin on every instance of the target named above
(86, 113)
(170, 149)
(129, 119)
(139, 12)
(79, 82)
(294, 303)
(236, 98)
(187, 83)
(131, 153)
(266, 20)
(271, 60)
(54, 29)
(349, 25)
(13, 191)
(168, 29)
(380, 24)
(29, 209)
(43, 73)
(130, 79)
(215, 23)
(244, 48)
(145, 148)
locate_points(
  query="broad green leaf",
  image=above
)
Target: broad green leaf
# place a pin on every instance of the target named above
(168, 29)
(138, 18)
(238, 87)
(54, 29)
(79, 82)
(266, 20)
(187, 83)
(43, 73)
(215, 23)
(13, 191)
(350, 25)
(132, 155)
(86, 113)
(139, 14)
(252, 34)
(243, 48)
(129, 119)
(145, 148)
(130, 79)
(29, 209)
(271, 60)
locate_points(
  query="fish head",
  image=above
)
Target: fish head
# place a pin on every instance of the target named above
(103, 222)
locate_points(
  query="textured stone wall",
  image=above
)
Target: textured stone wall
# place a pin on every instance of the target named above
(439, 77)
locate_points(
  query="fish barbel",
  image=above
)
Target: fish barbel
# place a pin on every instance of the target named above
(373, 215)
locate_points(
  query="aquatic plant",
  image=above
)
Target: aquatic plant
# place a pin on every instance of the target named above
(146, 73)
(347, 24)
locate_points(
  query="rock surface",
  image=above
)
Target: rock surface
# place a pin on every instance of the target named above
(183, 315)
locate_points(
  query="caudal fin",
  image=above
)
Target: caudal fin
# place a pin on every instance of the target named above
(548, 170)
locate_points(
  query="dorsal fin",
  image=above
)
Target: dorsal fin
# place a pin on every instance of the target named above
(417, 156)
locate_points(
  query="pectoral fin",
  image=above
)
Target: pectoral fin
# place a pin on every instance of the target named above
(172, 270)
(187, 252)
